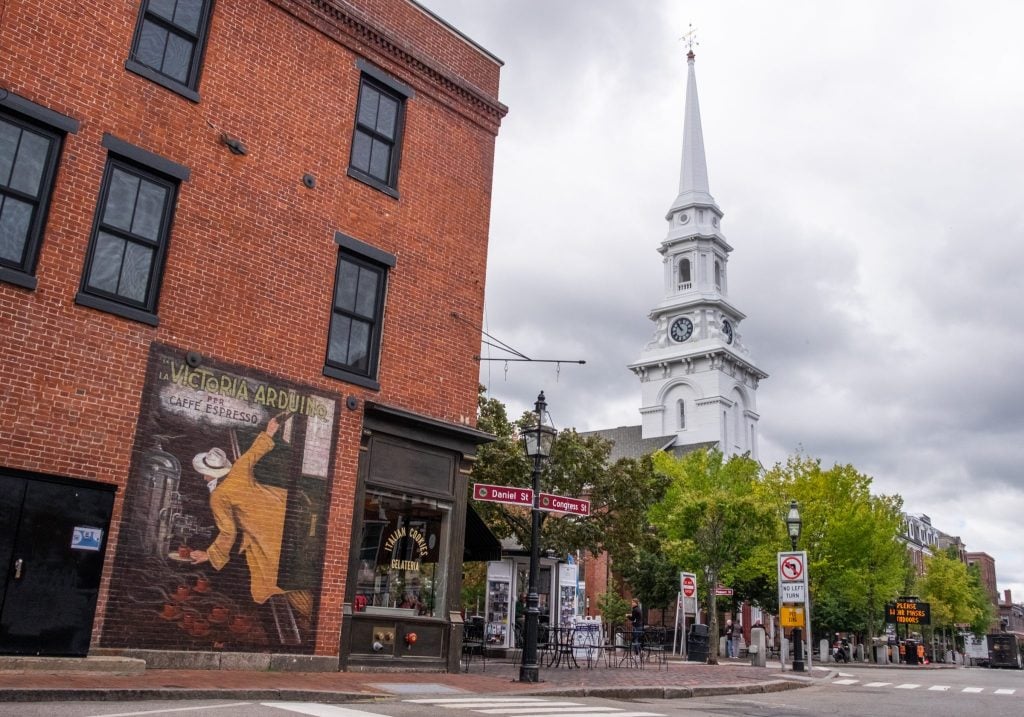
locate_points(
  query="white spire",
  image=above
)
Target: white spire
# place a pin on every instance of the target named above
(693, 177)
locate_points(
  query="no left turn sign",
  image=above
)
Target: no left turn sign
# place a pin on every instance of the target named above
(792, 568)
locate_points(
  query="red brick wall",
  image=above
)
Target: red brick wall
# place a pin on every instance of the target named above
(249, 273)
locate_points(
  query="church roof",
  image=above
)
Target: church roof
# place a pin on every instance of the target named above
(627, 443)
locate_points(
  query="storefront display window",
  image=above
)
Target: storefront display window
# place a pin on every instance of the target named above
(402, 554)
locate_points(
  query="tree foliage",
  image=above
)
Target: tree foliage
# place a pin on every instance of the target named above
(856, 562)
(954, 594)
(712, 520)
(619, 493)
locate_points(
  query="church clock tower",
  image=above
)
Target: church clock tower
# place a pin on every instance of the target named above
(699, 382)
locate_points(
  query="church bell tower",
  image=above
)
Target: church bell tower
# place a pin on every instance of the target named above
(699, 382)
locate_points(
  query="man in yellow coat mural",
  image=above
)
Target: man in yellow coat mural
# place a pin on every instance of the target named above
(242, 505)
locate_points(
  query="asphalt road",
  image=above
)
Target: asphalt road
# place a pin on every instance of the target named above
(855, 692)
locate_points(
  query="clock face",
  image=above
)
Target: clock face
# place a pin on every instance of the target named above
(681, 329)
(727, 331)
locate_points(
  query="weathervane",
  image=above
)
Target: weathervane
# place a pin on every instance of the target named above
(690, 38)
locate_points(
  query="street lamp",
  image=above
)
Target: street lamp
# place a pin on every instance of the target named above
(537, 443)
(793, 525)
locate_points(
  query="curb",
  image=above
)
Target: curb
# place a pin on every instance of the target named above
(157, 693)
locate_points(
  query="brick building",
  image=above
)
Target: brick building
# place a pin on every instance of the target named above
(236, 243)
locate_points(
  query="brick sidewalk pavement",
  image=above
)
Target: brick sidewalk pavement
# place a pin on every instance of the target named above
(677, 679)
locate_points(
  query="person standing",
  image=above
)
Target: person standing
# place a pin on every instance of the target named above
(729, 631)
(636, 621)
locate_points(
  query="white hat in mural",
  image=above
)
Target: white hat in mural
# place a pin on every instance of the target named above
(213, 463)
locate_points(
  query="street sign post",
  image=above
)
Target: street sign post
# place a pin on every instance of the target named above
(687, 605)
(794, 606)
(721, 590)
(503, 494)
(561, 504)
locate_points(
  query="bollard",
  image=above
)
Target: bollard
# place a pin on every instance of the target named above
(757, 649)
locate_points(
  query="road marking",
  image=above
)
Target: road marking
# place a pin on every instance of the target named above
(535, 706)
(973, 690)
(907, 686)
(176, 709)
(318, 710)
(939, 688)
(532, 705)
(1005, 692)
(845, 682)
(544, 708)
(877, 684)
(446, 701)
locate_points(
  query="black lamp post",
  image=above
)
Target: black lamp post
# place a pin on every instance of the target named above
(537, 443)
(793, 525)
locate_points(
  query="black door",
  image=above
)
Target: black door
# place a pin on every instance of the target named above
(52, 540)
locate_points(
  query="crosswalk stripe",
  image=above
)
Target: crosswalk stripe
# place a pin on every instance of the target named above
(1005, 692)
(445, 701)
(526, 706)
(318, 710)
(475, 706)
(845, 682)
(544, 708)
(907, 686)
(973, 690)
(877, 684)
(939, 688)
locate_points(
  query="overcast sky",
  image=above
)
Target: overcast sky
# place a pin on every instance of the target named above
(868, 157)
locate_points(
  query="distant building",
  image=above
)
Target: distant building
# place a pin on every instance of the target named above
(986, 565)
(1011, 615)
(921, 539)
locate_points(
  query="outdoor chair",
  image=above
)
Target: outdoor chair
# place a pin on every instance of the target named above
(473, 643)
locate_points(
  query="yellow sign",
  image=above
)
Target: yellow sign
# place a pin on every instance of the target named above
(792, 615)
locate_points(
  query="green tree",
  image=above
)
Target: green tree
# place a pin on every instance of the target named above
(712, 519)
(856, 561)
(953, 594)
(619, 492)
(652, 577)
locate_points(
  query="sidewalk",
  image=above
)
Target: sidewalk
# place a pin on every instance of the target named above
(675, 680)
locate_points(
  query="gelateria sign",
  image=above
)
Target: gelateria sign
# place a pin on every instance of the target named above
(409, 542)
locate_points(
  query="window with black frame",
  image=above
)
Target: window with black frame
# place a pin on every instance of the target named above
(402, 554)
(353, 344)
(28, 162)
(124, 264)
(377, 138)
(169, 42)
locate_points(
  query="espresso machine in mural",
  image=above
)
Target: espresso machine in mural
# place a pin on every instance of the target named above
(223, 529)
(163, 518)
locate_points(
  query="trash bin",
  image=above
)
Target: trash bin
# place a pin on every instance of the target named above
(697, 643)
(910, 653)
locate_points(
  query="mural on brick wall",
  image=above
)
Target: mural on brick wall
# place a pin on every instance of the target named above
(222, 535)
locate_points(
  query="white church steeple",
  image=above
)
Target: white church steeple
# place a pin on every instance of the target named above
(698, 381)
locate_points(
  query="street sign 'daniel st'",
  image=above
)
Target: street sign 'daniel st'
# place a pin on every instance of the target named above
(503, 494)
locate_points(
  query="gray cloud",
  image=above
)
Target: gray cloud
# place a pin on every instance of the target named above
(867, 157)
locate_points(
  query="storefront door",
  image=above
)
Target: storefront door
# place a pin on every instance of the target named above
(52, 542)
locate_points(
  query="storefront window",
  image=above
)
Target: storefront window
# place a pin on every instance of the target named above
(402, 554)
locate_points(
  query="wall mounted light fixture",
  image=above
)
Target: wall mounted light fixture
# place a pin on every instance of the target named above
(233, 144)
